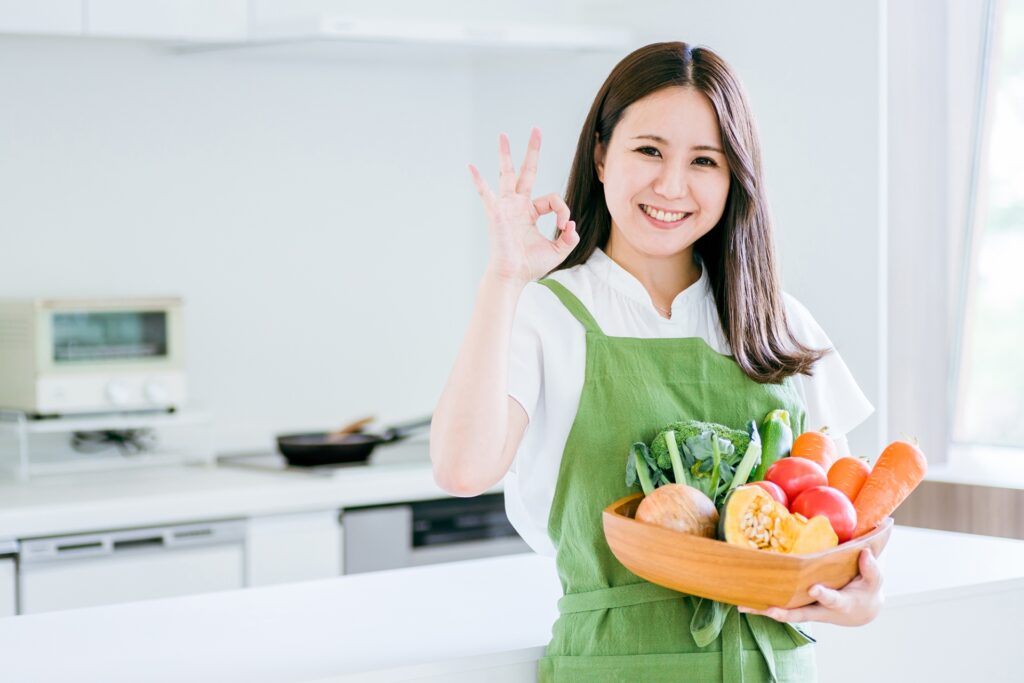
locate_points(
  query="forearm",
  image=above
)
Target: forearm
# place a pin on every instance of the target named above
(470, 422)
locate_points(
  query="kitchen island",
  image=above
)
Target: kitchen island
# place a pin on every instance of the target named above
(952, 613)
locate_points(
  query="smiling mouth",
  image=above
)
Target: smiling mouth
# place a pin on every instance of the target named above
(662, 218)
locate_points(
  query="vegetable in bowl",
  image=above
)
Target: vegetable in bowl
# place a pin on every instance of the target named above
(707, 456)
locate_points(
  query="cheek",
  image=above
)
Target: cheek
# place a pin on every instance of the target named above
(712, 191)
(624, 180)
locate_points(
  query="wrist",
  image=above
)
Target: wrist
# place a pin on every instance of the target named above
(494, 278)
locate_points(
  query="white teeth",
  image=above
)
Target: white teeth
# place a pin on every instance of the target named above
(662, 215)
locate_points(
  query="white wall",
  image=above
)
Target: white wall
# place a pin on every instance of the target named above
(313, 205)
(312, 212)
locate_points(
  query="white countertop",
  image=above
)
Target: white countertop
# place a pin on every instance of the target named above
(419, 620)
(91, 501)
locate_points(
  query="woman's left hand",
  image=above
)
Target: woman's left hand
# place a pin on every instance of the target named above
(856, 604)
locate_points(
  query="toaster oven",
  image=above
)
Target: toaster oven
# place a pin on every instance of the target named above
(73, 356)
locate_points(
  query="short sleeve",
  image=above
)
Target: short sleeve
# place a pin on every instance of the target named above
(831, 395)
(525, 354)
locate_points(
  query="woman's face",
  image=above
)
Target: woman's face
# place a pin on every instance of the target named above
(664, 154)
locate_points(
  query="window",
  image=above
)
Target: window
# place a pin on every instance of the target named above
(990, 391)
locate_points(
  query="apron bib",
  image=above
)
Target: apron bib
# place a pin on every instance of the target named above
(614, 626)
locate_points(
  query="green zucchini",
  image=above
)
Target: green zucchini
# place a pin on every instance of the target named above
(776, 441)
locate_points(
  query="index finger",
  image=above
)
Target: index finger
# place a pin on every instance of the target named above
(528, 171)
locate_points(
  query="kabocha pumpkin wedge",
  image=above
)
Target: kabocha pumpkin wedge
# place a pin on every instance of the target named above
(751, 518)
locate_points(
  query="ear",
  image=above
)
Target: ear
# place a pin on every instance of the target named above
(599, 151)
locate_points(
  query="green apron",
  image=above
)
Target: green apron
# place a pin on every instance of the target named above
(614, 626)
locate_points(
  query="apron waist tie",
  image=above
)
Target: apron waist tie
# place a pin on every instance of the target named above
(616, 596)
(732, 640)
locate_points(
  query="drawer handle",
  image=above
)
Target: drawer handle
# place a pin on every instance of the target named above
(139, 543)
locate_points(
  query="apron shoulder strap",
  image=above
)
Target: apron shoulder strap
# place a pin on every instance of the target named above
(575, 306)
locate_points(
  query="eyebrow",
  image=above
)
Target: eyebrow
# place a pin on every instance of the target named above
(658, 138)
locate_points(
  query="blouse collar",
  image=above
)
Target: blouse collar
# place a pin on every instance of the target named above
(625, 282)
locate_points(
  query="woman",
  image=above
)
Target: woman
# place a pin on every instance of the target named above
(665, 304)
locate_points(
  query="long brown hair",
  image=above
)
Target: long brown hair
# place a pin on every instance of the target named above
(738, 252)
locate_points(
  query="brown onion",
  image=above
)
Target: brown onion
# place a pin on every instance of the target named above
(681, 508)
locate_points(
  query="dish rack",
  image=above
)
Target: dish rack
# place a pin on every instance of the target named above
(32, 446)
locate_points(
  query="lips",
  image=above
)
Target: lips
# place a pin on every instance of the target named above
(664, 225)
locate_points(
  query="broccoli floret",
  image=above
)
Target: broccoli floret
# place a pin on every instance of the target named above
(685, 429)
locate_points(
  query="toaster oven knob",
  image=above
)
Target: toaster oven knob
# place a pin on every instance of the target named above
(118, 392)
(156, 392)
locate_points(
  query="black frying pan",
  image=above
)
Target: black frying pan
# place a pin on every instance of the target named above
(320, 448)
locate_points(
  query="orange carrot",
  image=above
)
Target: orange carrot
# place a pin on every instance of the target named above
(898, 471)
(848, 475)
(817, 447)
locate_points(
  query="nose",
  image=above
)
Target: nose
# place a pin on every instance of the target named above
(672, 182)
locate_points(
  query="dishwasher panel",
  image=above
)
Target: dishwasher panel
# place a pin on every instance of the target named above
(134, 564)
(427, 532)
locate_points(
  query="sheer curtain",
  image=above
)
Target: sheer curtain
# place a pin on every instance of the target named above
(988, 395)
(935, 55)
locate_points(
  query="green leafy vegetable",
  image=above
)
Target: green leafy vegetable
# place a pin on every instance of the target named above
(685, 429)
(710, 456)
(704, 455)
(751, 458)
(677, 461)
(637, 468)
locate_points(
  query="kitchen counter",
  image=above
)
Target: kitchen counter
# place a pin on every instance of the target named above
(141, 496)
(953, 604)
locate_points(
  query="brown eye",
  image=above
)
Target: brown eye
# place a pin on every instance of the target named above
(711, 162)
(644, 150)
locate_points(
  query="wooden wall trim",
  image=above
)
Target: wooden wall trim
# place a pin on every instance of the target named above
(961, 507)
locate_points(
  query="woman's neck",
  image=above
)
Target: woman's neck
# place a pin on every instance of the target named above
(663, 277)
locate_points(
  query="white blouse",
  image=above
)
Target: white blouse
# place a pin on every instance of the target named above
(547, 365)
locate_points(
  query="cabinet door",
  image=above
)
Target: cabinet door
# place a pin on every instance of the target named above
(7, 587)
(54, 17)
(293, 547)
(129, 576)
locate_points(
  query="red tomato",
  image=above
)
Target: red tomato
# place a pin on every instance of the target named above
(795, 475)
(833, 504)
(774, 490)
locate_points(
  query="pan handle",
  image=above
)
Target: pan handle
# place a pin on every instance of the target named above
(400, 431)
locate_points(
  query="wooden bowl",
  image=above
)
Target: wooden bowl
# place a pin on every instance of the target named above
(725, 572)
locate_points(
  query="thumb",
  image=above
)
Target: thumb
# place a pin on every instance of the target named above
(869, 569)
(827, 597)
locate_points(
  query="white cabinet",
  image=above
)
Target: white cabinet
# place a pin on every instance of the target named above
(84, 570)
(132, 564)
(7, 587)
(168, 19)
(293, 547)
(54, 17)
